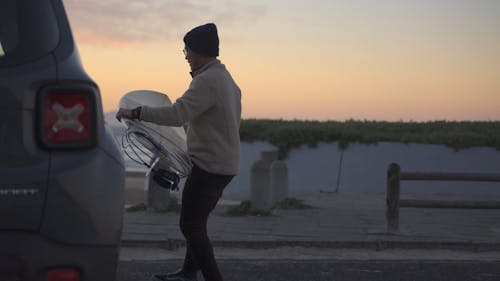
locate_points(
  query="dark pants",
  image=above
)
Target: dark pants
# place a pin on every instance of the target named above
(201, 192)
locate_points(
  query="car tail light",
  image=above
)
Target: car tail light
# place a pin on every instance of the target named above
(67, 118)
(64, 274)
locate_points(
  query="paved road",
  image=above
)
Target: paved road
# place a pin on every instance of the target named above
(286, 270)
(318, 264)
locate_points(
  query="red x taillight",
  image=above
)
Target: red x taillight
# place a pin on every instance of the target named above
(67, 118)
(64, 274)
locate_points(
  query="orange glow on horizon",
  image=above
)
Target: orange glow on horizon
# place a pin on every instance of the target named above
(409, 61)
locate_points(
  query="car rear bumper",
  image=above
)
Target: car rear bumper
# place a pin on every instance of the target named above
(28, 256)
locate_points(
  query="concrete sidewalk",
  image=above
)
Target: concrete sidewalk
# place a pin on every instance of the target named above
(337, 221)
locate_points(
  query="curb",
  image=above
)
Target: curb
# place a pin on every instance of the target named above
(376, 245)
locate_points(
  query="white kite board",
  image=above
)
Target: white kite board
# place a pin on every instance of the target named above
(162, 149)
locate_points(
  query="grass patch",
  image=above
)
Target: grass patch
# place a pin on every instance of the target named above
(173, 206)
(137, 208)
(292, 204)
(245, 209)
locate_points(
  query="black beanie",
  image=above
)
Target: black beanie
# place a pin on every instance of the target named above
(203, 40)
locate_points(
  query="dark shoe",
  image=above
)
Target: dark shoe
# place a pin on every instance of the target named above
(179, 275)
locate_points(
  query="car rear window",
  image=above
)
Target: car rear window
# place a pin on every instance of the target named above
(8, 26)
(28, 30)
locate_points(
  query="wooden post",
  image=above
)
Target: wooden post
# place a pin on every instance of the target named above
(392, 211)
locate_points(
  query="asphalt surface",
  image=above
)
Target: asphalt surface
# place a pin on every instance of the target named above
(285, 270)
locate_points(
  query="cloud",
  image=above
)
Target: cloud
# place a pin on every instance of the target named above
(121, 22)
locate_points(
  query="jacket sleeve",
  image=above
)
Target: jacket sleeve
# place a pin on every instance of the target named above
(197, 99)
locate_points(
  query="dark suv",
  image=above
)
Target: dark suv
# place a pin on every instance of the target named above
(61, 173)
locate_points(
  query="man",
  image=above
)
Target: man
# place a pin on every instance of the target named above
(212, 109)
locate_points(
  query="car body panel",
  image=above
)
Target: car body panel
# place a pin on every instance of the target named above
(59, 206)
(90, 201)
(23, 165)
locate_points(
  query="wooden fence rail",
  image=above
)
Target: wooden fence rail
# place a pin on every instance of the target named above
(394, 177)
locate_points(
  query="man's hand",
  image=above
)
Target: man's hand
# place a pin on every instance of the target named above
(125, 113)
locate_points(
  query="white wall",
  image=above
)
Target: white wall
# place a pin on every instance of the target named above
(363, 168)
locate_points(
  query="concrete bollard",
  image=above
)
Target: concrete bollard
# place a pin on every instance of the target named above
(157, 197)
(279, 181)
(260, 181)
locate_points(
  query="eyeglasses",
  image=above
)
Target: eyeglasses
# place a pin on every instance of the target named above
(185, 52)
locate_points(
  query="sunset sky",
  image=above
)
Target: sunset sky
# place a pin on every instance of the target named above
(319, 59)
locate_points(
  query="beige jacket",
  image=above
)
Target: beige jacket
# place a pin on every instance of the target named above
(211, 107)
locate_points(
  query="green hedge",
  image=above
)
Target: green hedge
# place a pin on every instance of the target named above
(288, 134)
